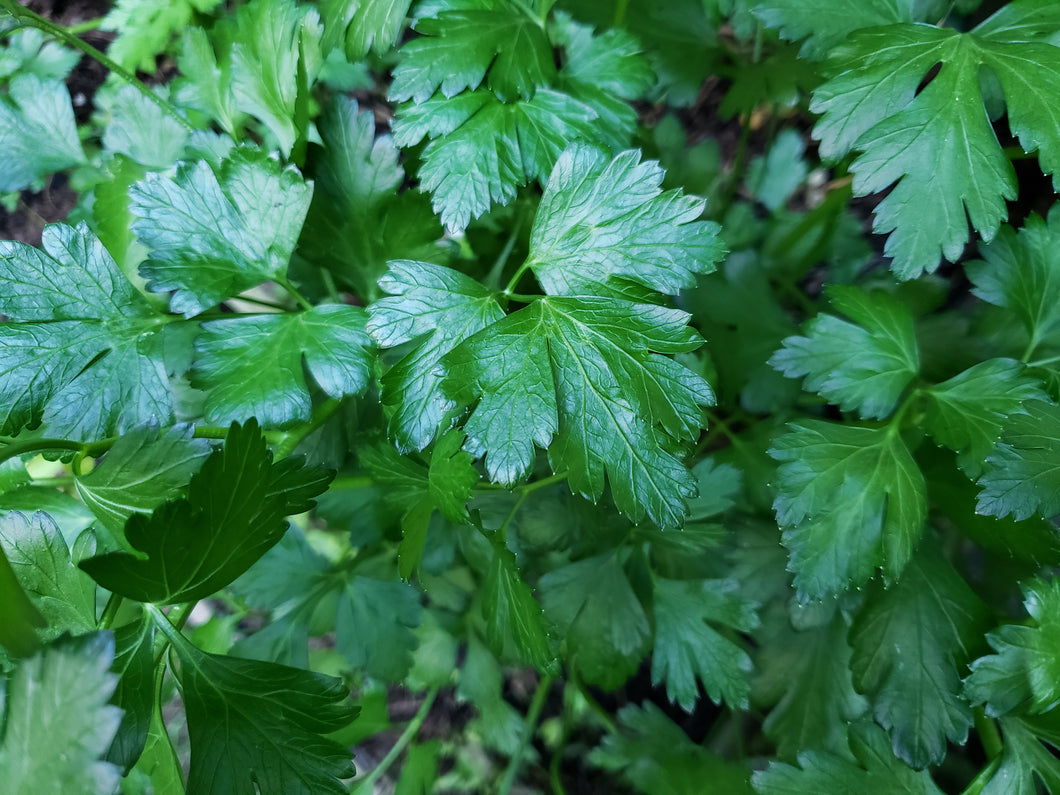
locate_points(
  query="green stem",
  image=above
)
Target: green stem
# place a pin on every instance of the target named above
(529, 728)
(261, 302)
(1044, 362)
(367, 784)
(619, 19)
(530, 488)
(289, 441)
(989, 735)
(40, 446)
(508, 290)
(86, 26)
(1032, 344)
(602, 714)
(348, 482)
(297, 296)
(493, 279)
(31, 19)
(110, 612)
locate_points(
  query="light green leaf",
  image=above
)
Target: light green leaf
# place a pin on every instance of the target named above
(911, 642)
(850, 500)
(42, 562)
(38, 134)
(27, 51)
(863, 367)
(583, 378)
(967, 412)
(658, 758)
(1024, 761)
(140, 129)
(256, 366)
(434, 308)
(876, 771)
(145, 28)
(719, 488)
(143, 469)
(358, 220)
(460, 46)
(934, 143)
(211, 236)
(364, 25)
(826, 23)
(604, 223)
(233, 513)
(775, 176)
(688, 648)
(604, 626)
(258, 726)
(1021, 475)
(58, 723)
(205, 82)
(273, 41)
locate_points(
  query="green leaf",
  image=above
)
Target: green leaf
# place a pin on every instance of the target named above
(463, 44)
(510, 611)
(911, 642)
(19, 619)
(604, 624)
(42, 562)
(140, 129)
(435, 309)
(657, 757)
(211, 236)
(605, 223)
(719, 489)
(256, 366)
(583, 377)
(876, 771)
(688, 648)
(498, 723)
(934, 144)
(373, 626)
(82, 353)
(205, 81)
(1025, 671)
(610, 62)
(1024, 761)
(58, 723)
(27, 51)
(967, 412)
(233, 514)
(804, 676)
(273, 40)
(850, 500)
(143, 469)
(862, 366)
(826, 23)
(774, 177)
(145, 28)
(135, 693)
(499, 146)
(358, 220)
(1019, 273)
(257, 726)
(38, 134)
(1021, 476)
(364, 25)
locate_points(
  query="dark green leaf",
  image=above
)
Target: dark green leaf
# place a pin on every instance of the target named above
(850, 500)
(605, 628)
(256, 366)
(876, 771)
(658, 758)
(135, 693)
(825, 23)
(462, 45)
(539, 375)
(863, 367)
(58, 723)
(19, 619)
(911, 642)
(687, 648)
(211, 236)
(143, 469)
(510, 611)
(260, 727)
(1021, 476)
(373, 626)
(233, 514)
